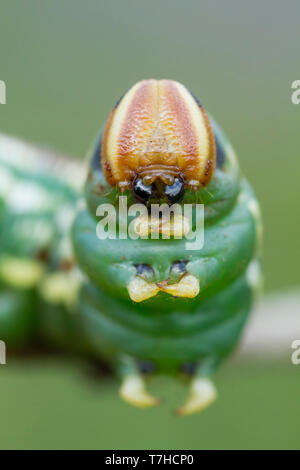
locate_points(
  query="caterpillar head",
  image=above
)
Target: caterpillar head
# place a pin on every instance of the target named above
(157, 142)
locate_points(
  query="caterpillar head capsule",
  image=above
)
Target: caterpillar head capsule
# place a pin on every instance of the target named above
(157, 142)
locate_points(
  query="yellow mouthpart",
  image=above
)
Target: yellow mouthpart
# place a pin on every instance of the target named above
(175, 226)
(140, 290)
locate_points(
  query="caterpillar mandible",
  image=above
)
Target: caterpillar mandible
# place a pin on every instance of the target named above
(147, 304)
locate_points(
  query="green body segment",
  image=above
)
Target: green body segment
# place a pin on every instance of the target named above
(172, 339)
(171, 331)
(105, 323)
(37, 204)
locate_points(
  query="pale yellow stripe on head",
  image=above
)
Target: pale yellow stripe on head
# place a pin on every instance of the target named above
(112, 147)
(198, 122)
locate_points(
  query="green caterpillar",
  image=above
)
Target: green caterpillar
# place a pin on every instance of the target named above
(145, 304)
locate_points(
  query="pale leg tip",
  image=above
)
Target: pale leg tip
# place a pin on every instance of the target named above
(202, 394)
(133, 392)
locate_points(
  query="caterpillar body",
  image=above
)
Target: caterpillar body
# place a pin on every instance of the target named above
(146, 305)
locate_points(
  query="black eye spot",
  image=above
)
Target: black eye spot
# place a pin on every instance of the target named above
(189, 368)
(145, 271)
(175, 191)
(178, 268)
(140, 191)
(146, 367)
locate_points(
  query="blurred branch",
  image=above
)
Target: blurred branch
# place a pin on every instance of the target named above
(273, 326)
(41, 158)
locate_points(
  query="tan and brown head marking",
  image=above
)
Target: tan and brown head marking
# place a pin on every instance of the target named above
(158, 136)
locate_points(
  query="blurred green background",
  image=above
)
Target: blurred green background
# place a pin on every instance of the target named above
(65, 63)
